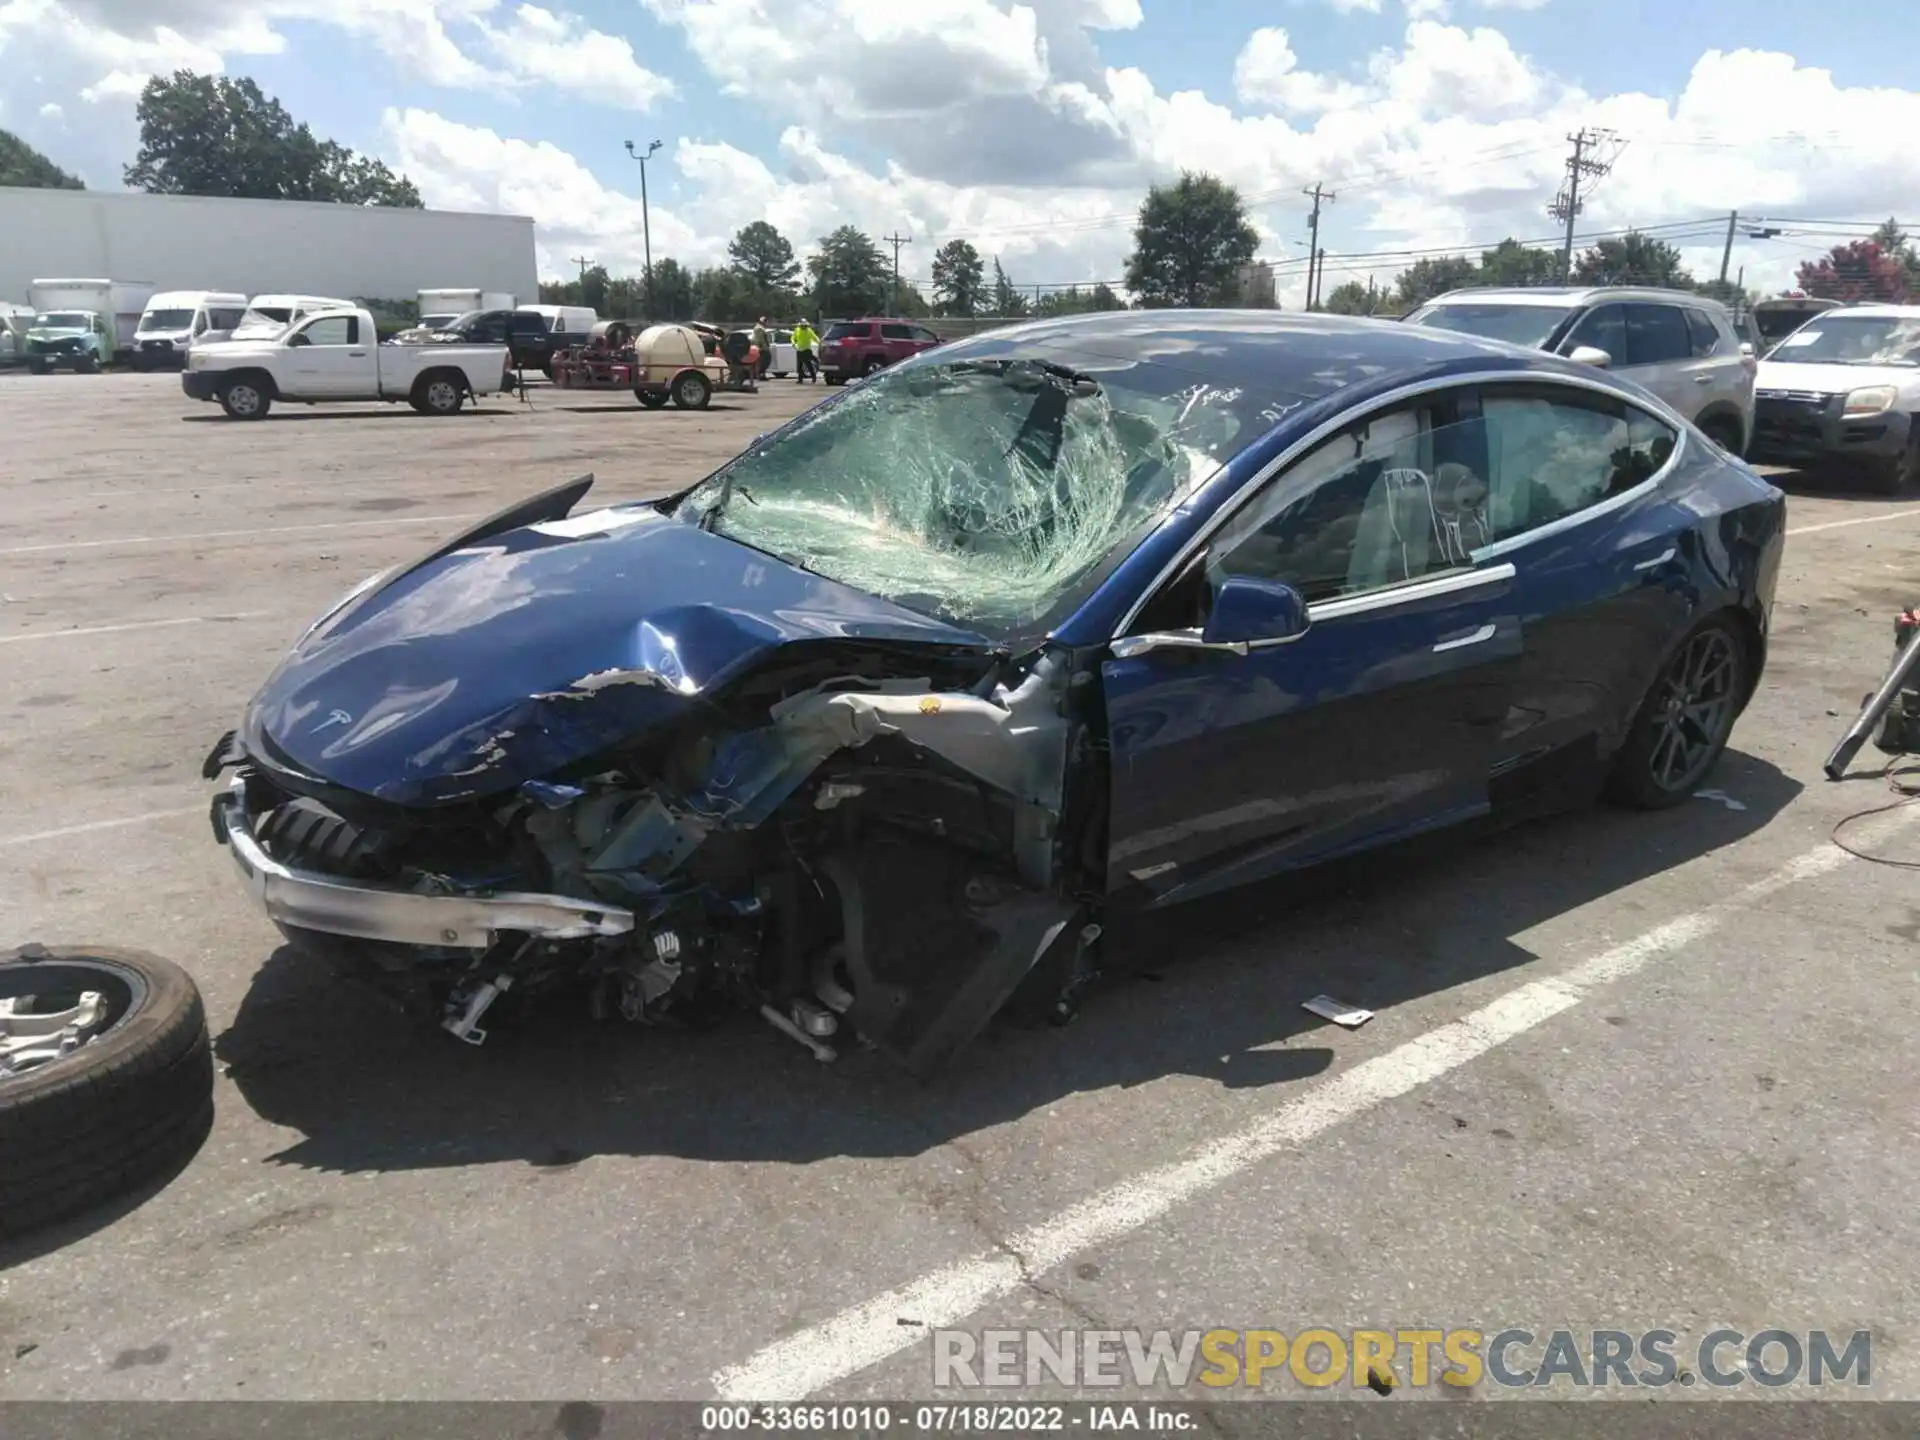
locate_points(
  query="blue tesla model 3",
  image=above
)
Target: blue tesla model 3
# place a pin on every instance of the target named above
(876, 728)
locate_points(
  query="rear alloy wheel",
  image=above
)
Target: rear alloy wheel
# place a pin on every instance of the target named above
(874, 362)
(439, 396)
(244, 400)
(1901, 476)
(1686, 719)
(691, 391)
(106, 1077)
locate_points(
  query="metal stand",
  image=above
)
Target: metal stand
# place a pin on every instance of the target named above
(1906, 665)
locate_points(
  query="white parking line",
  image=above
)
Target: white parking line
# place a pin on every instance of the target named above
(92, 825)
(235, 534)
(1906, 514)
(130, 625)
(821, 1355)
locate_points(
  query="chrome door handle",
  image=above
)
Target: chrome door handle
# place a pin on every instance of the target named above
(1128, 646)
(1657, 561)
(1703, 379)
(1485, 632)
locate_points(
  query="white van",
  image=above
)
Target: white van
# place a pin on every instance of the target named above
(576, 322)
(174, 319)
(268, 315)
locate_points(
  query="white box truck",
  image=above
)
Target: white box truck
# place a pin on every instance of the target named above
(118, 303)
(439, 307)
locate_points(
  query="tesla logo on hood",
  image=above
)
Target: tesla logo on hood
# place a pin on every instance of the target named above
(337, 717)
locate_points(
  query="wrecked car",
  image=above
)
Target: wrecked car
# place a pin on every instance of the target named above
(876, 728)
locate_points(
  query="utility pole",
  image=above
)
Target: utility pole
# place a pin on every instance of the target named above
(1314, 252)
(1566, 205)
(1726, 255)
(583, 263)
(896, 240)
(646, 228)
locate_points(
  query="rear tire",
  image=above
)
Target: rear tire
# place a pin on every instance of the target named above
(87, 365)
(244, 400)
(652, 399)
(438, 394)
(39, 367)
(691, 390)
(874, 363)
(1686, 718)
(132, 1102)
(1725, 433)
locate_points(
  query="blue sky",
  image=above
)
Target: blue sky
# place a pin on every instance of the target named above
(1032, 128)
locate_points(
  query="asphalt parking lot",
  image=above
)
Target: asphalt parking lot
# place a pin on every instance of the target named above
(1627, 1071)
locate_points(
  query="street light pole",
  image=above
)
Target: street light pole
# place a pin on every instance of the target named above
(646, 229)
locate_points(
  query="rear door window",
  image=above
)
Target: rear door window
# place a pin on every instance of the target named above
(1657, 335)
(1706, 335)
(1553, 451)
(896, 332)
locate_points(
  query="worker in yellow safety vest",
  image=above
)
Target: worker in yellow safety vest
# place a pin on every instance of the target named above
(805, 342)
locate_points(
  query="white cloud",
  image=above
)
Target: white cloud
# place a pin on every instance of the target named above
(1350, 7)
(558, 49)
(1513, 4)
(1267, 75)
(51, 111)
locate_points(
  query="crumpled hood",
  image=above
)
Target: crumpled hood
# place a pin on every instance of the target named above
(1835, 379)
(57, 332)
(501, 662)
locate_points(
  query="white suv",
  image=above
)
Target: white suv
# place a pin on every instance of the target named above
(1679, 345)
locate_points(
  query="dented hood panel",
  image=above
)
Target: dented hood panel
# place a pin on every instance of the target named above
(502, 662)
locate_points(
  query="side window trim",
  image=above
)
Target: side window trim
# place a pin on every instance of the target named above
(1204, 536)
(1600, 508)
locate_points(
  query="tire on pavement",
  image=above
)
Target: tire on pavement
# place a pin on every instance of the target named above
(131, 1100)
(691, 390)
(1901, 475)
(1686, 718)
(439, 392)
(245, 398)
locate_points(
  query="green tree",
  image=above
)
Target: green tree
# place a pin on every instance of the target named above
(1892, 239)
(1006, 299)
(1632, 259)
(1351, 298)
(1424, 279)
(850, 276)
(763, 257)
(959, 279)
(1103, 298)
(1511, 263)
(722, 295)
(208, 135)
(26, 167)
(1189, 243)
(593, 289)
(673, 296)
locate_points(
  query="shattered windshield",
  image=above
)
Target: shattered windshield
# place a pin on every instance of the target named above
(984, 492)
(60, 320)
(1853, 340)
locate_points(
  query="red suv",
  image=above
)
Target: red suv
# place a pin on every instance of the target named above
(859, 347)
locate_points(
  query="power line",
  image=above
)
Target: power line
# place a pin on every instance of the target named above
(896, 240)
(1567, 204)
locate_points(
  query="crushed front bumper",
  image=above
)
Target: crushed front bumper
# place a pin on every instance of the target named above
(310, 901)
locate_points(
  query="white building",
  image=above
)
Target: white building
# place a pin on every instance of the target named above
(201, 242)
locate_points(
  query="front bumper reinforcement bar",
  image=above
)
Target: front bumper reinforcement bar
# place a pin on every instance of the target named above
(309, 901)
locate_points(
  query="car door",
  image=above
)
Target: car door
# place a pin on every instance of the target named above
(1723, 376)
(329, 361)
(1380, 720)
(1660, 355)
(1599, 548)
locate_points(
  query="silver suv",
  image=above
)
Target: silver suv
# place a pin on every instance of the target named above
(1679, 345)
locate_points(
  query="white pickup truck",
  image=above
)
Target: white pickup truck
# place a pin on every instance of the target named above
(337, 355)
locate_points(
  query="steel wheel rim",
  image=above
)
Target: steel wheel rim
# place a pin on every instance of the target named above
(440, 395)
(244, 398)
(53, 986)
(1693, 709)
(689, 389)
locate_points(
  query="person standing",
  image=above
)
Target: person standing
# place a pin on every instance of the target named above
(763, 338)
(804, 365)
